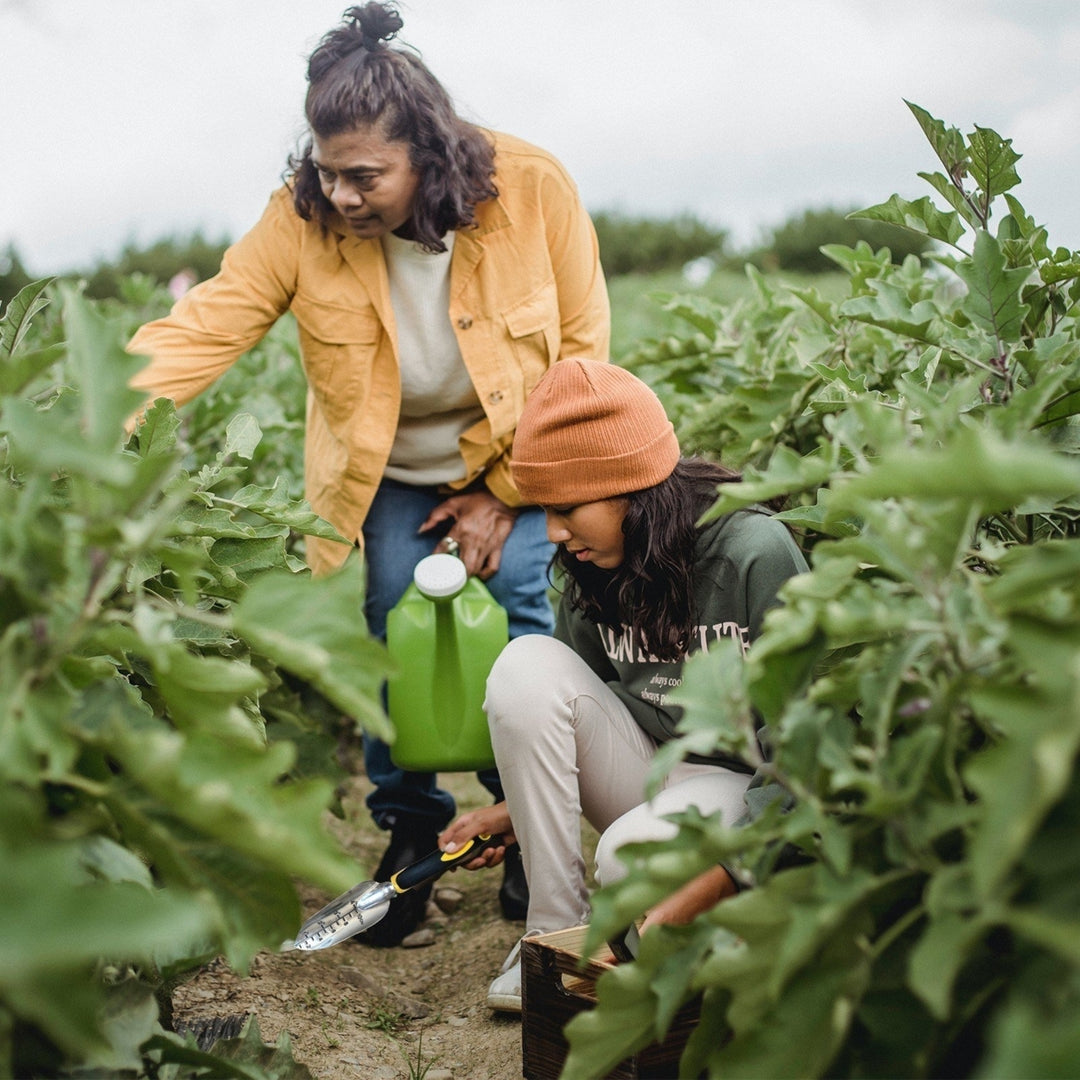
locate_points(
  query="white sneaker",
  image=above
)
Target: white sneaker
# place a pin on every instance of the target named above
(504, 993)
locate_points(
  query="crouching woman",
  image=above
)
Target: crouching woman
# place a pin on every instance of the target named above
(576, 719)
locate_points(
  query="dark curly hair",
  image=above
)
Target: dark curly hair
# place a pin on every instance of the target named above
(355, 80)
(652, 590)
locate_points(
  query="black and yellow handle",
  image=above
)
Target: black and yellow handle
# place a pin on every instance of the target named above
(438, 862)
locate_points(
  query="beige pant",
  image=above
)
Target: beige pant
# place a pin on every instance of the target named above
(566, 745)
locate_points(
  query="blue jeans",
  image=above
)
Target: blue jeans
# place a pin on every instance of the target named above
(392, 548)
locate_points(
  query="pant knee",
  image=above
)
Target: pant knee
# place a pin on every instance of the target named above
(635, 825)
(522, 669)
(609, 868)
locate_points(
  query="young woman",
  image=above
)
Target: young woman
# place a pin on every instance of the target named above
(576, 719)
(435, 271)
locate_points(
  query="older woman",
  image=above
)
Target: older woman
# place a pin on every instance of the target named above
(435, 270)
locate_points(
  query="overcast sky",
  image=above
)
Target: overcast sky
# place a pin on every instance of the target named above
(136, 119)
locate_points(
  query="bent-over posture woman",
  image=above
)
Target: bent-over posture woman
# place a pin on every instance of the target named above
(435, 271)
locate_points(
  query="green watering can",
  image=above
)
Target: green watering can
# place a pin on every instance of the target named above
(444, 635)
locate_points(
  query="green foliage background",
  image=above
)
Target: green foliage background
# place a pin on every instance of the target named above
(637, 245)
(920, 686)
(171, 677)
(797, 243)
(631, 247)
(158, 636)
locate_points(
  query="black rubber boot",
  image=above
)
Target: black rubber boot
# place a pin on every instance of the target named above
(514, 891)
(410, 840)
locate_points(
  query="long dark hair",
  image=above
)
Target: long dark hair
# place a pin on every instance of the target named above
(652, 590)
(355, 80)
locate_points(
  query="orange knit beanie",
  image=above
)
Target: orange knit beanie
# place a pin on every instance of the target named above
(589, 431)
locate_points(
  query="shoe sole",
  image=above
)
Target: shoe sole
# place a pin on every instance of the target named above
(510, 1003)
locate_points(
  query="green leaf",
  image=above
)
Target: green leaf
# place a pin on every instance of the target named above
(1025, 223)
(258, 902)
(63, 1005)
(202, 692)
(33, 714)
(595, 1045)
(938, 956)
(237, 795)
(715, 704)
(17, 317)
(976, 465)
(751, 416)
(17, 372)
(220, 521)
(107, 860)
(242, 436)
(795, 971)
(920, 216)
(158, 429)
(993, 300)
(782, 662)
(1058, 935)
(890, 308)
(101, 369)
(699, 311)
(43, 445)
(802, 1033)
(315, 628)
(788, 473)
(65, 924)
(259, 1060)
(947, 142)
(817, 519)
(953, 195)
(1035, 760)
(992, 159)
(246, 1057)
(1027, 574)
(1053, 273)
(249, 557)
(275, 505)
(1029, 1039)
(129, 1018)
(823, 308)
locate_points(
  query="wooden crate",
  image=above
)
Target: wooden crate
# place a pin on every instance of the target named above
(554, 990)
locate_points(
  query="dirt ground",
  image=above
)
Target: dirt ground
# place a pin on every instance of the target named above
(359, 1013)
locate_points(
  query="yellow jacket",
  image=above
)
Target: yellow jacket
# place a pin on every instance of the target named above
(526, 289)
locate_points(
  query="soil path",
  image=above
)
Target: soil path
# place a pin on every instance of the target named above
(354, 1012)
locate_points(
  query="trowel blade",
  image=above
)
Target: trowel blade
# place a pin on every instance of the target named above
(352, 913)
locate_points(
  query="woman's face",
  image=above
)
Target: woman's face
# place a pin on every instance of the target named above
(591, 532)
(370, 182)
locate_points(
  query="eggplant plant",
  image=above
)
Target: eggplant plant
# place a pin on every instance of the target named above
(915, 899)
(158, 632)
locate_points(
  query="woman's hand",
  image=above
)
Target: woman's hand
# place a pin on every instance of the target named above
(488, 821)
(697, 895)
(481, 524)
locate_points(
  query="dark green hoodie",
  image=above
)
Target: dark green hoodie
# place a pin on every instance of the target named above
(740, 561)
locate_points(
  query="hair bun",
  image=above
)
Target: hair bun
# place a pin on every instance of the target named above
(375, 22)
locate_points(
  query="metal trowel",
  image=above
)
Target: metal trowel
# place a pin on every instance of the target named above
(365, 904)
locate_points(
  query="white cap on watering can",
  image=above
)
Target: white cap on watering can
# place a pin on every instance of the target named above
(440, 577)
